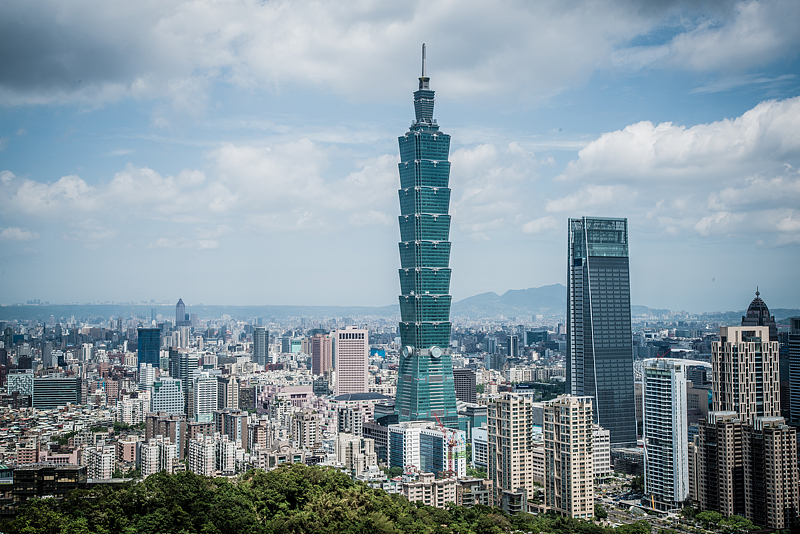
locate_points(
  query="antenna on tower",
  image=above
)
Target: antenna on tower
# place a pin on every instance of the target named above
(423, 60)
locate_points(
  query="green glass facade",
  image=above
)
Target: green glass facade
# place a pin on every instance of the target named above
(425, 387)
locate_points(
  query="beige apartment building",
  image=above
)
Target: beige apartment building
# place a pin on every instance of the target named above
(569, 456)
(511, 448)
(430, 490)
(746, 378)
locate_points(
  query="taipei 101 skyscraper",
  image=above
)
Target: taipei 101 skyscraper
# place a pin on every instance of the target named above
(425, 388)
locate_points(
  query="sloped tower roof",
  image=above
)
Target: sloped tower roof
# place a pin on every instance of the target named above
(758, 315)
(758, 308)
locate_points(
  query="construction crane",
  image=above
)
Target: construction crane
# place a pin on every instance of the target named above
(451, 441)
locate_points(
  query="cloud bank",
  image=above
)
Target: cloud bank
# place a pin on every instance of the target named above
(93, 52)
(735, 176)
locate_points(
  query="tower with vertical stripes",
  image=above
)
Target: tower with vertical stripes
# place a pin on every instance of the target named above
(425, 388)
(599, 341)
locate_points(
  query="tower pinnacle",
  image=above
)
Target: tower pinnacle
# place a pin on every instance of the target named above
(423, 80)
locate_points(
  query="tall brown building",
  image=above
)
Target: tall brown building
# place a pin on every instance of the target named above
(721, 479)
(770, 469)
(167, 425)
(465, 383)
(747, 456)
(321, 354)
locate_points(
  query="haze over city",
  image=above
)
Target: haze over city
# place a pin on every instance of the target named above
(247, 153)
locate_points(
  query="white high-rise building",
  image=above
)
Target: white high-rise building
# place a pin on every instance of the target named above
(99, 461)
(202, 455)
(351, 357)
(132, 411)
(226, 455)
(355, 453)
(149, 458)
(480, 447)
(185, 336)
(210, 453)
(569, 456)
(601, 444)
(423, 446)
(204, 396)
(306, 429)
(227, 392)
(666, 445)
(167, 396)
(86, 352)
(156, 455)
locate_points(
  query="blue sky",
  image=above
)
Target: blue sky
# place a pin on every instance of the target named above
(245, 152)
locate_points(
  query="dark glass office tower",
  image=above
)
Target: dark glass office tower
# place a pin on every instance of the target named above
(599, 344)
(260, 346)
(425, 387)
(793, 353)
(149, 346)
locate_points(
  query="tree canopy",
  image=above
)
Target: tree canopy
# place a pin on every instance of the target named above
(292, 499)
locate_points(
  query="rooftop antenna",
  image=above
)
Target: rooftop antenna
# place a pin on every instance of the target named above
(423, 60)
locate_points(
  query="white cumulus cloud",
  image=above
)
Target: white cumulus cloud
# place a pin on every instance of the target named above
(736, 176)
(13, 233)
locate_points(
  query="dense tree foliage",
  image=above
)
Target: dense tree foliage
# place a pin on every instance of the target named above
(124, 427)
(292, 499)
(637, 484)
(479, 472)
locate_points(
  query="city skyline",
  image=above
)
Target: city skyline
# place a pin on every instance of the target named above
(136, 162)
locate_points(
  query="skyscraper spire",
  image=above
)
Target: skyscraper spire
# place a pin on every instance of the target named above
(423, 80)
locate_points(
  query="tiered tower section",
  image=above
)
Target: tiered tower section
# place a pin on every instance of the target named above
(425, 387)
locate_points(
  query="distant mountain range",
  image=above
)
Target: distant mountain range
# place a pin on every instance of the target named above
(547, 301)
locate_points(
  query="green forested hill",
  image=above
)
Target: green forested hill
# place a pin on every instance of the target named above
(291, 499)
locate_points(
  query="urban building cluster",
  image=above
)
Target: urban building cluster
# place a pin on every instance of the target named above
(525, 413)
